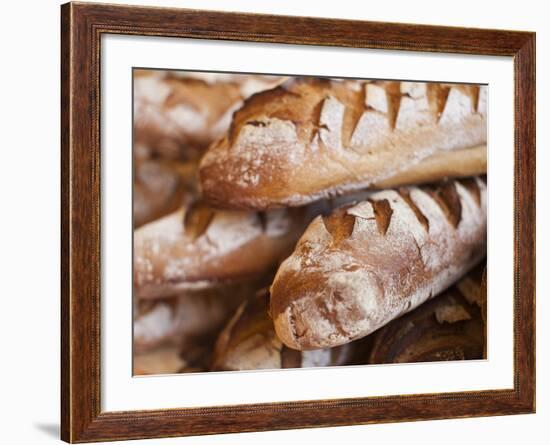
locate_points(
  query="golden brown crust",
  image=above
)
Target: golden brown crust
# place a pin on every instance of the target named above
(311, 138)
(449, 327)
(249, 342)
(353, 271)
(182, 251)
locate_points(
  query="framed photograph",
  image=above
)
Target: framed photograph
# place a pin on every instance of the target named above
(274, 222)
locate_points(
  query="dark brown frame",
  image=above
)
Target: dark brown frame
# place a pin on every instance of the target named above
(81, 28)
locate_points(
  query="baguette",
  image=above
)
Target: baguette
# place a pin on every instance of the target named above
(366, 264)
(178, 117)
(312, 138)
(200, 247)
(449, 327)
(249, 342)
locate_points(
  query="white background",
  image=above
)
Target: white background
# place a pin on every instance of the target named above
(29, 175)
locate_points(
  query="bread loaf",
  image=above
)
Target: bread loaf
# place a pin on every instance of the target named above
(178, 116)
(449, 327)
(249, 342)
(161, 187)
(311, 138)
(366, 264)
(199, 247)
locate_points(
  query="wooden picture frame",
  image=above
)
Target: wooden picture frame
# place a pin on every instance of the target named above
(82, 26)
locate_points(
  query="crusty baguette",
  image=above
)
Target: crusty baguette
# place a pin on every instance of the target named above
(366, 264)
(199, 247)
(161, 187)
(188, 317)
(449, 327)
(249, 342)
(312, 138)
(177, 117)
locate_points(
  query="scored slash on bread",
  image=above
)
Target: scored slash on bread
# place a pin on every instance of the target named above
(366, 264)
(199, 247)
(178, 116)
(311, 138)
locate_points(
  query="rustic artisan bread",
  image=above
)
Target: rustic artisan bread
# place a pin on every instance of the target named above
(198, 246)
(161, 187)
(449, 327)
(366, 264)
(178, 116)
(186, 318)
(311, 138)
(249, 342)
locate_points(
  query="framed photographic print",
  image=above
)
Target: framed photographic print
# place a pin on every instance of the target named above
(276, 222)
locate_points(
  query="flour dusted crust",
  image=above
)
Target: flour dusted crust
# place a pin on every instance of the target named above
(448, 327)
(311, 138)
(177, 116)
(366, 264)
(249, 341)
(199, 247)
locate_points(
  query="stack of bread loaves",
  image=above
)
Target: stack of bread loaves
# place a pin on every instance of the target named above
(294, 222)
